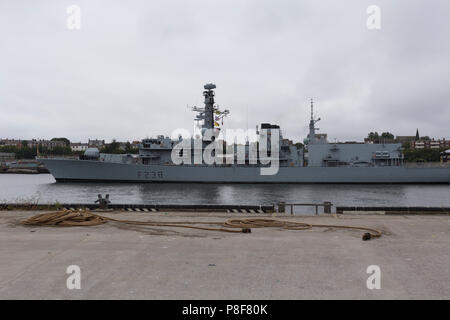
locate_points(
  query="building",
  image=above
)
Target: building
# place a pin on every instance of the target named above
(11, 142)
(430, 144)
(48, 144)
(405, 139)
(6, 156)
(379, 140)
(122, 145)
(445, 156)
(78, 147)
(96, 143)
(33, 143)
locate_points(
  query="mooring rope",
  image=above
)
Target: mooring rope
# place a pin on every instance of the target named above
(68, 218)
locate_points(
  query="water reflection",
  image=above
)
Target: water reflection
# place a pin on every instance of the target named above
(22, 186)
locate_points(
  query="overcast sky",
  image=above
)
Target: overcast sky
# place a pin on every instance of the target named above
(134, 66)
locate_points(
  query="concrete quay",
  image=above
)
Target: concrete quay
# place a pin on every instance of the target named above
(119, 261)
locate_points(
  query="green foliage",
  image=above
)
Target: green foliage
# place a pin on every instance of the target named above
(58, 151)
(427, 155)
(8, 149)
(21, 153)
(57, 205)
(387, 135)
(65, 140)
(115, 148)
(375, 137)
(406, 145)
(26, 152)
(129, 148)
(30, 153)
(27, 203)
(372, 136)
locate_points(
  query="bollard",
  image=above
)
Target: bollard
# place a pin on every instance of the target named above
(281, 207)
(327, 207)
(103, 202)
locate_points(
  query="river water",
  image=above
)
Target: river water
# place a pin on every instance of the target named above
(42, 187)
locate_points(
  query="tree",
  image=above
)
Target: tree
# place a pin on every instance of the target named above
(406, 145)
(427, 155)
(65, 140)
(60, 150)
(373, 136)
(113, 147)
(387, 135)
(129, 148)
(31, 153)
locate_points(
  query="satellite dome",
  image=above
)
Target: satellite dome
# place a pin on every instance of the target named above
(92, 153)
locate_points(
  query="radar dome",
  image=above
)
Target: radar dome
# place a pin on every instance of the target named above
(209, 86)
(92, 153)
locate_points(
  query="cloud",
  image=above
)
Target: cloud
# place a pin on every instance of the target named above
(133, 67)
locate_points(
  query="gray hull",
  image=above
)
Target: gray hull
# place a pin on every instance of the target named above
(85, 170)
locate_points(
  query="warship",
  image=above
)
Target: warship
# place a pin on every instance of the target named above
(317, 161)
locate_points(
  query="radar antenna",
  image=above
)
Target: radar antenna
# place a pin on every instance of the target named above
(312, 125)
(210, 113)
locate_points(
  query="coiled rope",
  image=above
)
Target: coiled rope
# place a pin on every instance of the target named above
(68, 218)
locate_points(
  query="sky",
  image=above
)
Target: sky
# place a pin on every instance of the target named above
(133, 67)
